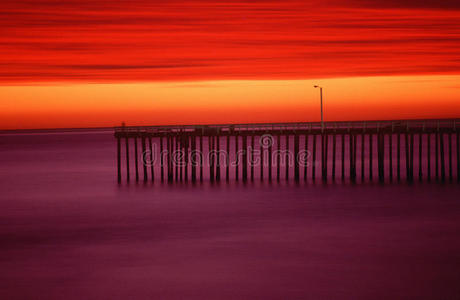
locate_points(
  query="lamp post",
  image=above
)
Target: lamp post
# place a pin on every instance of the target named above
(321, 99)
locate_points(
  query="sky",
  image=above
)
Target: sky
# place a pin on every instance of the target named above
(98, 63)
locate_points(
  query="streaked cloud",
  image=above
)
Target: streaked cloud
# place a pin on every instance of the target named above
(429, 4)
(129, 41)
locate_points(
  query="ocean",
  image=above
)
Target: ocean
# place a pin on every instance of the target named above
(69, 231)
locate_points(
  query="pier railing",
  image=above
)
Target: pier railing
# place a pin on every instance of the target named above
(393, 150)
(392, 125)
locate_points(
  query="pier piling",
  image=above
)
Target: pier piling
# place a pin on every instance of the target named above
(127, 158)
(313, 170)
(449, 136)
(152, 175)
(355, 144)
(380, 156)
(407, 152)
(278, 157)
(144, 165)
(428, 155)
(245, 157)
(411, 155)
(237, 158)
(217, 138)
(287, 157)
(334, 154)
(420, 173)
(371, 160)
(296, 158)
(252, 156)
(119, 160)
(443, 165)
(161, 159)
(262, 154)
(270, 148)
(342, 145)
(181, 148)
(437, 155)
(211, 157)
(194, 158)
(176, 155)
(458, 155)
(398, 166)
(136, 159)
(362, 157)
(227, 156)
(390, 154)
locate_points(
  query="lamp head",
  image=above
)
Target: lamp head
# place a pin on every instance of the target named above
(316, 86)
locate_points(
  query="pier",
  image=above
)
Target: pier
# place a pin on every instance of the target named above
(358, 151)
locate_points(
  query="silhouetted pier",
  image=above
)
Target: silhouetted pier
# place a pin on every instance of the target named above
(357, 151)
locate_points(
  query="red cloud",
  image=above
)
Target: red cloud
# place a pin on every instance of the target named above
(180, 40)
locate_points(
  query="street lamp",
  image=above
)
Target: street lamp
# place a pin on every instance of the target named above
(321, 99)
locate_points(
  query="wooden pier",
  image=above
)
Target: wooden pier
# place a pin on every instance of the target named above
(359, 151)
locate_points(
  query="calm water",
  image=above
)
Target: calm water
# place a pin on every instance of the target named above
(68, 231)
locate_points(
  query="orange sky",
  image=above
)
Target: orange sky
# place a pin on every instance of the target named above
(97, 63)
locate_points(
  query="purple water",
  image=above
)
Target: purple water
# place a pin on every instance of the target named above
(69, 231)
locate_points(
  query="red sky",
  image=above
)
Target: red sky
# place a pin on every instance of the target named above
(80, 43)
